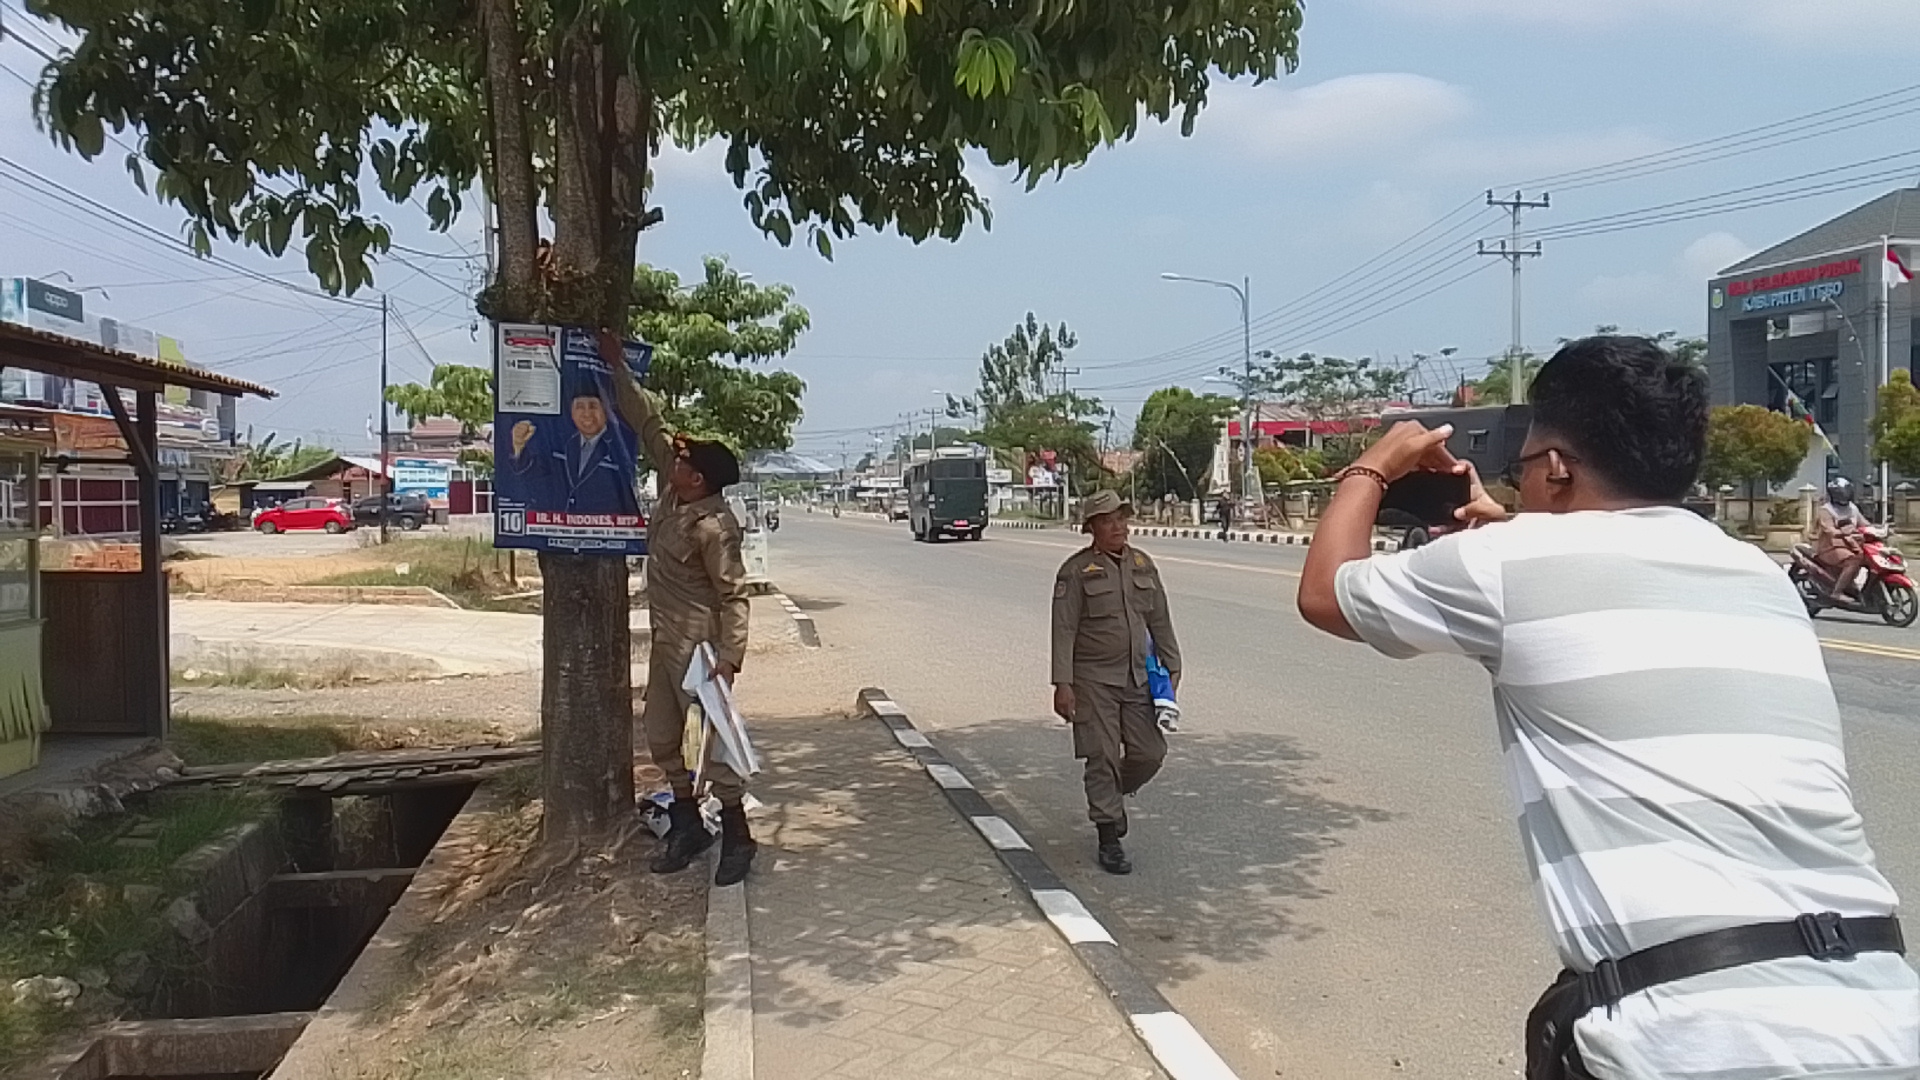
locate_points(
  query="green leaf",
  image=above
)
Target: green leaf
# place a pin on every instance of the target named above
(823, 244)
(138, 173)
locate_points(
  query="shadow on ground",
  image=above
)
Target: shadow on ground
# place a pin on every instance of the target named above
(864, 875)
(1229, 841)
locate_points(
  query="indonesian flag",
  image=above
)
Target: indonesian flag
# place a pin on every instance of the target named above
(1895, 272)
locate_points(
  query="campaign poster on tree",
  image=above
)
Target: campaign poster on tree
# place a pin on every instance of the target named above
(563, 461)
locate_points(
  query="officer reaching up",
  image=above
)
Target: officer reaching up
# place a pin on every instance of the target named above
(1107, 599)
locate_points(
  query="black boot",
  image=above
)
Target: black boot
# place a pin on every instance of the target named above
(1113, 857)
(686, 838)
(736, 847)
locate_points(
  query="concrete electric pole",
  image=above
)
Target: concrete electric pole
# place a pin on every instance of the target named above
(1513, 251)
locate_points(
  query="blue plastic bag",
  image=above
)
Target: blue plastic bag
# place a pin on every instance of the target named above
(1160, 687)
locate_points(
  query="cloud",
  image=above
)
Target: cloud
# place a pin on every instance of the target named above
(1353, 116)
(1713, 253)
(1850, 24)
(1670, 297)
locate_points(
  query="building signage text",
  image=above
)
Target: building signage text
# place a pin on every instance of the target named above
(1785, 279)
(1805, 294)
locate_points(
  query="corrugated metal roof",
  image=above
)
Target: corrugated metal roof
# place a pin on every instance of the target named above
(1895, 214)
(37, 350)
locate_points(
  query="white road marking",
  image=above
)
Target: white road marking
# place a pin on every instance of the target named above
(1071, 917)
(1002, 836)
(949, 777)
(1179, 1048)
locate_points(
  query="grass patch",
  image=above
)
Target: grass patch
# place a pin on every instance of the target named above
(222, 742)
(467, 571)
(67, 911)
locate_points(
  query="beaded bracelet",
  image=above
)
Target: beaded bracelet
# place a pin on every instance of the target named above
(1374, 475)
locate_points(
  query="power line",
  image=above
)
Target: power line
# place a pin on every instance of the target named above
(140, 228)
(1894, 99)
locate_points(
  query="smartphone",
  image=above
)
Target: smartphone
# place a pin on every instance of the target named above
(1429, 498)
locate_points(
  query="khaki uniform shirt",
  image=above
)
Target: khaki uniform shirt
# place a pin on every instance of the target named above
(1103, 609)
(696, 581)
(1834, 537)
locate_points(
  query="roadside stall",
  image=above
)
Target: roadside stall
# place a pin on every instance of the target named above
(96, 638)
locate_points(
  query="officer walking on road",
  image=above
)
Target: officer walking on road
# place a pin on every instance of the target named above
(696, 591)
(1107, 599)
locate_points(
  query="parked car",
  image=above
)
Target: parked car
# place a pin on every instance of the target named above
(404, 509)
(310, 513)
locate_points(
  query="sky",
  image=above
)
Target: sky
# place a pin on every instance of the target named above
(1350, 193)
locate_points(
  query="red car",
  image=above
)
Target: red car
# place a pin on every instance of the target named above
(328, 514)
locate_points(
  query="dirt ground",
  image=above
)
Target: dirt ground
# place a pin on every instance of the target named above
(538, 965)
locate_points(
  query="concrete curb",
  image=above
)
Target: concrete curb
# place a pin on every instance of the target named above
(1189, 532)
(802, 622)
(1172, 1040)
(727, 1035)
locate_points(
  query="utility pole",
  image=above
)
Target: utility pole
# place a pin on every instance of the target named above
(1513, 251)
(386, 469)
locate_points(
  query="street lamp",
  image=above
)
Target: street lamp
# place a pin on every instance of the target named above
(1249, 475)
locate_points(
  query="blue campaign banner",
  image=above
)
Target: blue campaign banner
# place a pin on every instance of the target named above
(425, 477)
(564, 463)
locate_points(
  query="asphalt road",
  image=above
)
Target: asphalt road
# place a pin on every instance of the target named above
(1328, 880)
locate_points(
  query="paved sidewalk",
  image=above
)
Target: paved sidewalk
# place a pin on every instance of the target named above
(888, 942)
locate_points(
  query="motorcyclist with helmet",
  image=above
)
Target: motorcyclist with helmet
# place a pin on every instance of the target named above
(1836, 537)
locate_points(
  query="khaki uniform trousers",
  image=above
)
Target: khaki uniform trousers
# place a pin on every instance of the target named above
(664, 718)
(1115, 734)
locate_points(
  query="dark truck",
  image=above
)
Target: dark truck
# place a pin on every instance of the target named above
(947, 494)
(1490, 436)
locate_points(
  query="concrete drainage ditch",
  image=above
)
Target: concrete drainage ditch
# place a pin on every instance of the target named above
(283, 909)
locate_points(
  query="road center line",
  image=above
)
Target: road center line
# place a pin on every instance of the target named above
(1885, 652)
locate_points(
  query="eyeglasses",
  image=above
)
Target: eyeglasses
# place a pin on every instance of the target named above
(1510, 476)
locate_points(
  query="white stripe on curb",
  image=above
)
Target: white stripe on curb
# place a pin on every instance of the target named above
(1179, 1048)
(885, 707)
(999, 834)
(911, 737)
(948, 777)
(1071, 917)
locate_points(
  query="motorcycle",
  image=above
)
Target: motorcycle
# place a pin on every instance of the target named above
(836, 509)
(1887, 590)
(773, 520)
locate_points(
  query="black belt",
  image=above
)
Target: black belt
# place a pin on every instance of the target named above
(1825, 936)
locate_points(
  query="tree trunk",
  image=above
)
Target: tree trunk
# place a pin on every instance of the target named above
(586, 695)
(515, 196)
(586, 707)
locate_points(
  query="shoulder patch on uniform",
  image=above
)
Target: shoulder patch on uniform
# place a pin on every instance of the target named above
(1059, 588)
(1139, 560)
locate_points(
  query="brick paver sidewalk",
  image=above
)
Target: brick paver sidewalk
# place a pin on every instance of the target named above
(888, 941)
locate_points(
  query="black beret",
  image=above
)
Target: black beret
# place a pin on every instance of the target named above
(713, 461)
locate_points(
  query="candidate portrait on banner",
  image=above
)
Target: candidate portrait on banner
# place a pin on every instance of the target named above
(580, 462)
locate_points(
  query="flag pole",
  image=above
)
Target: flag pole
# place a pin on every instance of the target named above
(1886, 321)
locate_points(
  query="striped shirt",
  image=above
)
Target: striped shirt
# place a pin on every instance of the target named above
(1674, 747)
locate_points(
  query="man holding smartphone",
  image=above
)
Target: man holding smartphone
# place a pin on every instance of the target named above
(1669, 733)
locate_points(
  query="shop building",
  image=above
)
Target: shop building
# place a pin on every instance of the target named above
(1821, 318)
